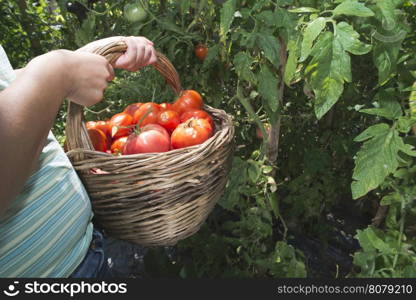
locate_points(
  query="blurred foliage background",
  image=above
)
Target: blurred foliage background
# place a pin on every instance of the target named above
(311, 76)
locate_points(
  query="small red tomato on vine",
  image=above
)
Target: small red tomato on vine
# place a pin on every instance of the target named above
(201, 51)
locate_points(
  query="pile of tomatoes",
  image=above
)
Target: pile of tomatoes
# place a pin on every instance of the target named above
(150, 127)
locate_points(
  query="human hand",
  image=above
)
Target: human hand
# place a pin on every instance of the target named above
(140, 52)
(89, 75)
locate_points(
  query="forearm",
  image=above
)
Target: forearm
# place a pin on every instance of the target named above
(28, 108)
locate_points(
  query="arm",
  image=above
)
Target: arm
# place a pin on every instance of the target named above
(28, 108)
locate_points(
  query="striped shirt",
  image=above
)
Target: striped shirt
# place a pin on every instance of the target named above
(47, 229)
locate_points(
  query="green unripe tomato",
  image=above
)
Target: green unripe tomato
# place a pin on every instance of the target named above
(134, 13)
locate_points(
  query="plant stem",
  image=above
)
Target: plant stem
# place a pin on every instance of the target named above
(274, 134)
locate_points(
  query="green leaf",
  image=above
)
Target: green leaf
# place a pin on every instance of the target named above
(370, 239)
(405, 124)
(349, 39)
(268, 88)
(226, 17)
(365, 243)
(328, 70)
(371, 132)
(412, 101)
(389, 109)
(390, 199)
(304, 10)
(291, 64)
(385, 58)
(366, 261)
(212, 56)
(243, 62)
(254, 171)
(388, 37)
(86, 33)
(271, 47)
(353, 8)
(377, 158)
(274, 204)
(312, 31)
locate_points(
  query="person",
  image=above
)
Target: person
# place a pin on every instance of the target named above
(46, 227)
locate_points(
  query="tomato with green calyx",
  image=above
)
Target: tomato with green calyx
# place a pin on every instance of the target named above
(151, 138)
(192, 132)
(134, 12)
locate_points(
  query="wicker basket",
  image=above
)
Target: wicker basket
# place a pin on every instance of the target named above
(152, 199)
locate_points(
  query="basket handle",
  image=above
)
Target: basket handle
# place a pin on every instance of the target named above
(75, 130)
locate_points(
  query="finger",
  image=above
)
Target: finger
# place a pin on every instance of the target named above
(140, 56)
(111, 73)
(127, 60)
(153, 58)
(149, 42)
(147, 56)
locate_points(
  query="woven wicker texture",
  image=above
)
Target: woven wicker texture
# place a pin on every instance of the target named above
(152, 199)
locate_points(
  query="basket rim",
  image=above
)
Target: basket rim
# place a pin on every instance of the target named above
(225, 127)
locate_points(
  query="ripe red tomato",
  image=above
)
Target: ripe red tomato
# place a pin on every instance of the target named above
(118, 145)
(98, 139)
(104, 126)
(169, 119)
(192, 132)
(188, 100)
(151, 110)
(166, 106)
(131, 109)
(197, 114)
(152, 138)
(121, 124)
(90, 124)
(201, 51)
